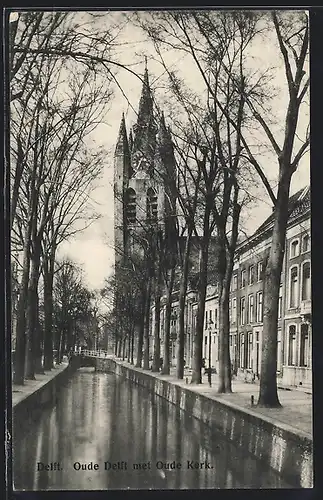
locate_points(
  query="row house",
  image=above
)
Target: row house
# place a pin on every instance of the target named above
(210, 334)
(294, 307)
(189, 327)
(294, 330)
(233, 318)
(297, 359)
(247, 283)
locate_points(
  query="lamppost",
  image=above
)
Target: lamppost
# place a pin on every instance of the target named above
(209, 374)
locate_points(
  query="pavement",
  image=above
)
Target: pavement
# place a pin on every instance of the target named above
(295, 414)
(20, 392)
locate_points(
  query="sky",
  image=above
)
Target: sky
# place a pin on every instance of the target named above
(93, 248)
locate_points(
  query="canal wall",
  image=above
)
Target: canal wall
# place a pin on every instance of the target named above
(28, 408)
(274, 443)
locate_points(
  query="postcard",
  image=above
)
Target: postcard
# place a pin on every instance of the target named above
(160, 226)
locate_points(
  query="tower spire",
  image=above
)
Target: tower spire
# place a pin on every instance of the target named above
(122, 141)
(145, 128)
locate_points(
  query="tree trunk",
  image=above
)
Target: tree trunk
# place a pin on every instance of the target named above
(168, 311)
(116, 337)
(33, 339)
(124, 347)
(141, 332)
(62, 347)
(181, 310)
(58, 342)
(132, 343)
(225, 269)
(157, 298)
(198, 334)
(120, 347)
(147, 322)
(156, 358)
(129, 345)
(268, 396)
(39, 364)
(21, 334)
(48, 311)
(70, 333)
(224, 335)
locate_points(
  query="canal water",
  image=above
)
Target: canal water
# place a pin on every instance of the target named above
(105, 433)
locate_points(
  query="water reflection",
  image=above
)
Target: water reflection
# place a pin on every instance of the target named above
(99, 418)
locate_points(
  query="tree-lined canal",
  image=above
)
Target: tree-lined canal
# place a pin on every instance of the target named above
(105, 433)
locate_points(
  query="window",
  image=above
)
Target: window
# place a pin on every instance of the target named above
(210, 314)
(242, 311)
(130, 206)
(294, 248)
(215, 318)
(293, 287)
(151, 205)
(235, 282)
(304, 347)
(242, 350)
(306, 281)
(243, 278)
(259, 271)
(280, 301)
(306, 243)
(259, 307)
(173, 317)
(206, 322)
(251, 275)
(279, 350)
(250, 309)
(250, 345)
(234, 310)
(291, 345)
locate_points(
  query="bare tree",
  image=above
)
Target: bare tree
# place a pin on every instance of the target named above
(58, 187)
(210, 155)
(201, 34)
(73, 303)
(291, 31)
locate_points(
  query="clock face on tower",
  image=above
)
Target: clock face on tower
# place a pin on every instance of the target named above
(141, 169)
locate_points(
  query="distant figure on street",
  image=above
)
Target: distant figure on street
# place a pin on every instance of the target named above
(203, 362)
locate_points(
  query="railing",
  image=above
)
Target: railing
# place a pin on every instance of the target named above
(100, 353)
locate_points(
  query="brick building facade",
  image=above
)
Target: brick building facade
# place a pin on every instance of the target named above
(294, 330)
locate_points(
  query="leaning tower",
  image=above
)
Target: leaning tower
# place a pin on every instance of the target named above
(144, 178)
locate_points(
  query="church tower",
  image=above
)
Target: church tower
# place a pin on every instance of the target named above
(144, 176)
(122, 172)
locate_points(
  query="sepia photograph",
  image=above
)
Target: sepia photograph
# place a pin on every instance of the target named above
(160, 249)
